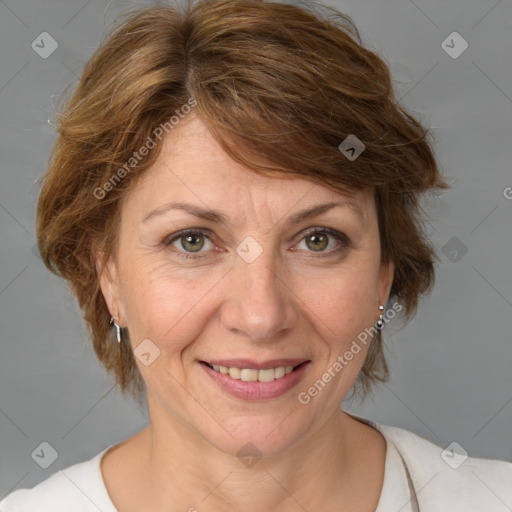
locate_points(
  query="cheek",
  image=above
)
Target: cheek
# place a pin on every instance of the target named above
(343, 303)
(164, 306)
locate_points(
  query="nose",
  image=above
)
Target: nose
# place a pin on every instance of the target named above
(259, 302)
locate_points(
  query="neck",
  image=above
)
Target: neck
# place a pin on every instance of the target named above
(329, 465)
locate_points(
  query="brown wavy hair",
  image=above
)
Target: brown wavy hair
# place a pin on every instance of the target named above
(284, 82)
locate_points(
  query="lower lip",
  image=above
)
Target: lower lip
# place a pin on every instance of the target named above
(257, 390)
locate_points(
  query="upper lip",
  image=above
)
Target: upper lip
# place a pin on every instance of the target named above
(253, 364)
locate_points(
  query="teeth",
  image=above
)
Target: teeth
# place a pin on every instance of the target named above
(253, 375)
(267, 375)
(234, 373)
(249, 375)
(279, 372)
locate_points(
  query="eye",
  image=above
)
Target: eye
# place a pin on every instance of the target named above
(189, 242)
(317, 240)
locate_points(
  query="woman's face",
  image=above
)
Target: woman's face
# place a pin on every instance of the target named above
(249, 287)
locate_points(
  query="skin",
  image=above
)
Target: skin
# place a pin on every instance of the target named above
(291, 301)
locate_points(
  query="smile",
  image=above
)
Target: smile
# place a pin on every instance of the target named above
(252, 374)
(271, 380)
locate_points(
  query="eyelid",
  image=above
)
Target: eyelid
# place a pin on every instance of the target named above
(344, 242)
(184, 232)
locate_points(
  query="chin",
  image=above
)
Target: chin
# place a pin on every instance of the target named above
(256, 435)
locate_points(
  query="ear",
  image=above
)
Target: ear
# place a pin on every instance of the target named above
(386, 275)
(108, 276)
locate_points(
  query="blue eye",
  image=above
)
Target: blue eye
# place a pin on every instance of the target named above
(191, 241)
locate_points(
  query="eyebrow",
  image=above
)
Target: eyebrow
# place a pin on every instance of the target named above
(218, 217)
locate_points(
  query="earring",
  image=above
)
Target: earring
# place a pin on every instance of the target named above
(118, 329)
(379, 324)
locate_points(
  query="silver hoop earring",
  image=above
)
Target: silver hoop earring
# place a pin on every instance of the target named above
(118, 329)
(379, 324)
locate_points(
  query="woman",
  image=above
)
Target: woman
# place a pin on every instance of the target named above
(233, 197)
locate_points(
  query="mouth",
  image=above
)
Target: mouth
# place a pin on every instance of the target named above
(247, 379)
(246, 373)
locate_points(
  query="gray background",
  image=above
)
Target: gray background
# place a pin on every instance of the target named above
(451, 378)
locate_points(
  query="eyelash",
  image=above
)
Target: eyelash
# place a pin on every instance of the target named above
(340, 237)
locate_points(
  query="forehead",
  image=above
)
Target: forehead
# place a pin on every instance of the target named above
(192, 167)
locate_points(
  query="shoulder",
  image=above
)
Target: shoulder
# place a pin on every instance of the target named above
(441, 474)
(79, 487)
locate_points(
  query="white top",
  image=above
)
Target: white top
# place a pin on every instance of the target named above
(416, 479)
